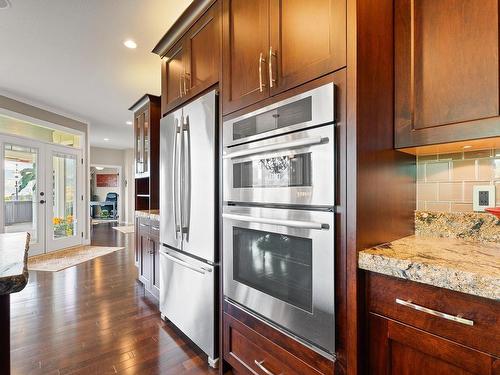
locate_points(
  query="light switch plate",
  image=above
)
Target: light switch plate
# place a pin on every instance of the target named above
(483, 197)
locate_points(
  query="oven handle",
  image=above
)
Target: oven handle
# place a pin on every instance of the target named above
(277, 146)
(285, 223)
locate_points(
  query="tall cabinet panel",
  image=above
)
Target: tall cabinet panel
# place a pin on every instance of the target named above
(245, 46)
(307, 40)
(446, 71)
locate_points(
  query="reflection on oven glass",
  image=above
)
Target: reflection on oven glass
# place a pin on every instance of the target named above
(276, 264)
(280, 171)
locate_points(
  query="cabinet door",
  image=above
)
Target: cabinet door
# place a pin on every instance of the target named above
(446, 71)
(245, 46)
(173, 76)
(396, 348)
(155, 266)
(139, 143)
(144, 256)
(307, 40)
(136, 247)
(202, 46)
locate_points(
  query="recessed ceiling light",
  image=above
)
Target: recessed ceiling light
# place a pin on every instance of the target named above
(129, 122)
(106, 139)
(129, 43)
(468, 146)
(4, 4)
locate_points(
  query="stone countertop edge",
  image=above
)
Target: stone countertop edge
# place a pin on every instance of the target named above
(462, 266)
(148, 214)
(13, 262)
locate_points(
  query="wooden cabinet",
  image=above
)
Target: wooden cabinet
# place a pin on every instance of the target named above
(285, 44)
(192, 65)
(148, 254)
(245, 47)
(405, 340)
(397, 348)
(446, 71)
(147, 151)
(253, 347)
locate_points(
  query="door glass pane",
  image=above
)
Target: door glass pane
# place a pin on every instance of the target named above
(20, 190)
(281, 171)
(276, 264)
(287, 115)
(64, 170)
(138, 146)
(145, 120)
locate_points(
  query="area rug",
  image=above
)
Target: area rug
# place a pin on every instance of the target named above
(125, 229)
(103, 221)
(62, 259)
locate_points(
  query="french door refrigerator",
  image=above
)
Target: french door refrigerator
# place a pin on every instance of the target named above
(188, 268)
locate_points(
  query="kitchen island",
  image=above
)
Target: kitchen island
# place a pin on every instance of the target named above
(13, 278)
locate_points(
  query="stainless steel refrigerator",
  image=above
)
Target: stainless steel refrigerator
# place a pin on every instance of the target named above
(187, 221)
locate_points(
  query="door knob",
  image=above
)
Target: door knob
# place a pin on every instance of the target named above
(42, 201)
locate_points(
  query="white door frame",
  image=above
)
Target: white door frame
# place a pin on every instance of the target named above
(44, 183)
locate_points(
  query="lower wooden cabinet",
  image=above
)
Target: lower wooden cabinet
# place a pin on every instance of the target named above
(147, 254)
(253, 347)
(403, 340)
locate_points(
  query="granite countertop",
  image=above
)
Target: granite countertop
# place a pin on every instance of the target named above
(13, 262)
(456, 264)
(149, 214)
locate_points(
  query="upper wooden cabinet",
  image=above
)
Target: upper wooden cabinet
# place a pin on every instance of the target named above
(446, 71)
(271, 46)
(193, 63)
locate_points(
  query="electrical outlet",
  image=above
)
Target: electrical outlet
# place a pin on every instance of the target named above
(483, 197)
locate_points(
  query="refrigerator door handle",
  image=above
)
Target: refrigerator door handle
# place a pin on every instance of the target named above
(183, 263)
(186, 160)
(175, 180)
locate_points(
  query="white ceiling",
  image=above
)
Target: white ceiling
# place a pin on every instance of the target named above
(68, 55)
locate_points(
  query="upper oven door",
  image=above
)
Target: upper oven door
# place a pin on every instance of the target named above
(311, 108)
(296, 168)
(280, 264)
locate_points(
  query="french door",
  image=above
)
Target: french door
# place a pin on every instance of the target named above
(41, 186)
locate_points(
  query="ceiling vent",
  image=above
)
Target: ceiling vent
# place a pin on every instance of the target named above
(4, 4)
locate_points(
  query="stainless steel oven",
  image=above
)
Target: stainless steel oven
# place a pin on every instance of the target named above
(296, 168)
(278, 216)
(279, 264)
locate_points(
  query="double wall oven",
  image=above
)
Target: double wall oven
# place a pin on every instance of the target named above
(278, 216)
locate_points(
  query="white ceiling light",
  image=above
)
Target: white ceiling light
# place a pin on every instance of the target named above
(99, 168)
(106, 139)
(129, 43)
(4, 4)
(129, 122)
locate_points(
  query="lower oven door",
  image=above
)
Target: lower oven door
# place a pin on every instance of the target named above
(279, 263)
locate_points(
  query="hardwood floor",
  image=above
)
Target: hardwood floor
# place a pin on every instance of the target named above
(95, 318)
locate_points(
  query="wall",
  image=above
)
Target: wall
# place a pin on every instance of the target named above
(445, 181)
(124, 159)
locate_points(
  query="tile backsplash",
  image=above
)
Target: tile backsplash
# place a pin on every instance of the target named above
(445, 181)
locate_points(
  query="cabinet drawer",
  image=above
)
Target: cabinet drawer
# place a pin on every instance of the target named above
(389, 296)
(251, 353)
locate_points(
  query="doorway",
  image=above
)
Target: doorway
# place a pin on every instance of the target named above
(42, 191)
(106, 195)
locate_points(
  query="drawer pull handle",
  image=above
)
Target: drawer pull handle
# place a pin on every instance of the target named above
(260, 364)
(440, 314)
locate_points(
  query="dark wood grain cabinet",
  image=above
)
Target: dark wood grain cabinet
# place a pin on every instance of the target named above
(270, 46)
(192, 65)
(403, 340)
(253, 347)
(147, 254)
(147, 149)
(446, 71)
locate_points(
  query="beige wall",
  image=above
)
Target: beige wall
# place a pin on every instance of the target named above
(124, 159)
(445, 181)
